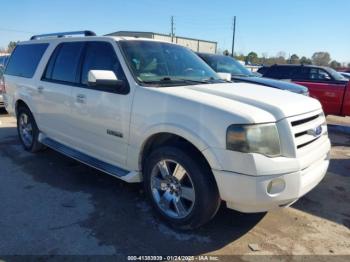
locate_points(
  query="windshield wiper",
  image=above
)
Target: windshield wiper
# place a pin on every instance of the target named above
(243, 75)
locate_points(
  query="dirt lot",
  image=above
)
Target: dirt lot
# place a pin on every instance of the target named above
(53, 205)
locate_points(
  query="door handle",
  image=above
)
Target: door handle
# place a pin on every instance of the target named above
(81, 98)
(40, 89)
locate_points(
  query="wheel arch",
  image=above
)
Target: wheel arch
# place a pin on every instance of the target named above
(166, 138)
(20, 102)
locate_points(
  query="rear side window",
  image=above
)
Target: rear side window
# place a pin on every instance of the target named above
(25, 59)
(302, 73)
(64, 63)
(280, 72)
(101, 56)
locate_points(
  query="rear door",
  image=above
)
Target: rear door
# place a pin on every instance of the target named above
(54, 91)
(101, 117)
(280, 72)
(322, 87)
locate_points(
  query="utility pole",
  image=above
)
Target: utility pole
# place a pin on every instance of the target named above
(233, 34)
(172, 29)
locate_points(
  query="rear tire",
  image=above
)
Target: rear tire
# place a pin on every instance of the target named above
(28, 131)
(181, 187)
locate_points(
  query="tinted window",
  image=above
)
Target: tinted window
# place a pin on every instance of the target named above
(64, 63)
(101, 56)
(280, 72)
(25, 59)
(263, 70)
(225, 64)
(301, 73)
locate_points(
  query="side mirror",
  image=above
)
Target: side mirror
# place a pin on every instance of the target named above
(225, 76)
(105, 80)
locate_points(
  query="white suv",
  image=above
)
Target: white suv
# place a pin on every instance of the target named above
(151, 111)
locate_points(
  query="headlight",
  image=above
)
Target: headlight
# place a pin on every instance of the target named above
(263, 139)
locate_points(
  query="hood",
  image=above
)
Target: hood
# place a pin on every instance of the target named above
(273, 83)
(252, 99)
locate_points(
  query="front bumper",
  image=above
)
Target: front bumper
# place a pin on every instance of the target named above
(249, 194)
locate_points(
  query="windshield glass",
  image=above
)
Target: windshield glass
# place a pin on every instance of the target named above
(226, 64)
(336, 75)
(166, 64)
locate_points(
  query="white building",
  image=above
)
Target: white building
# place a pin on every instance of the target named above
(196, 45)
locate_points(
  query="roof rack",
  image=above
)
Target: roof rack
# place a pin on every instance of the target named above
(63, 34)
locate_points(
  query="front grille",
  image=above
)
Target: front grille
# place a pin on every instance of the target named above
(304, 129)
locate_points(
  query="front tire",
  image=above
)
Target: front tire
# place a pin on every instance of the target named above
(28, 131)
(181, 187)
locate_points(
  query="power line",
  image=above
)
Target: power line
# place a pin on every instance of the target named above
(16, 31)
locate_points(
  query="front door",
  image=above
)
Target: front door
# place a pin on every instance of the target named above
(101, 117)
(323, 87)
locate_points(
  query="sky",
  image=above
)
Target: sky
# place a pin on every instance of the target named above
(264, 26)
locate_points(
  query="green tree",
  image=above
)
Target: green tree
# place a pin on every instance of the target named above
(349, 65)
(226, 52)
(305, 61)
(294, 59)
(11, 46)
(321, 58)
(252, 57)
(240, 57)
(335, 64)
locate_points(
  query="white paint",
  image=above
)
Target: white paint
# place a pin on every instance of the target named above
(199, 113)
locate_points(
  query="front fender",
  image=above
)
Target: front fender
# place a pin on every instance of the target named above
(141, 139)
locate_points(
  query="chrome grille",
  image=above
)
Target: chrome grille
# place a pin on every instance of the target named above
(306, 129)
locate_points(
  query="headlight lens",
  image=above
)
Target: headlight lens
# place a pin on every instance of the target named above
(263, 139)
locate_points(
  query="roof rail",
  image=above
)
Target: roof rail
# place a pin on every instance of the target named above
(63, 34)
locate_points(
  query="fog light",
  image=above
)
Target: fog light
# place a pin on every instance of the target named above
(276, 186)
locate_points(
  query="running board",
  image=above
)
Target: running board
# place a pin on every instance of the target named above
(130, 177)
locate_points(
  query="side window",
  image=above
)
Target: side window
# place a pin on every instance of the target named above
(323, 75)
(101, 56)
(301, 73)
(280, 72)
(64, 63)
(319, 74)
(25, 59)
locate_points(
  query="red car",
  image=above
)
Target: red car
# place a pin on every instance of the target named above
(324, 84)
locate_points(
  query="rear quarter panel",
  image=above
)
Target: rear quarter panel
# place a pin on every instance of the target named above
(18, 88)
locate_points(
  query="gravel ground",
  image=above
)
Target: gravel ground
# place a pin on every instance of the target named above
(53, 205)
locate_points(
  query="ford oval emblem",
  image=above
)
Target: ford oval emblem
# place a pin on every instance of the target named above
(315, 131)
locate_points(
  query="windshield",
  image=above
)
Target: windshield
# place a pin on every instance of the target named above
(166, 64)
(226, 64)
(336, 75)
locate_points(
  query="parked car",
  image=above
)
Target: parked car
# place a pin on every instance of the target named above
(3, 60)
(143, 110)
(345, 75)
(324, 83)
(262, 70)
(239, 73)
